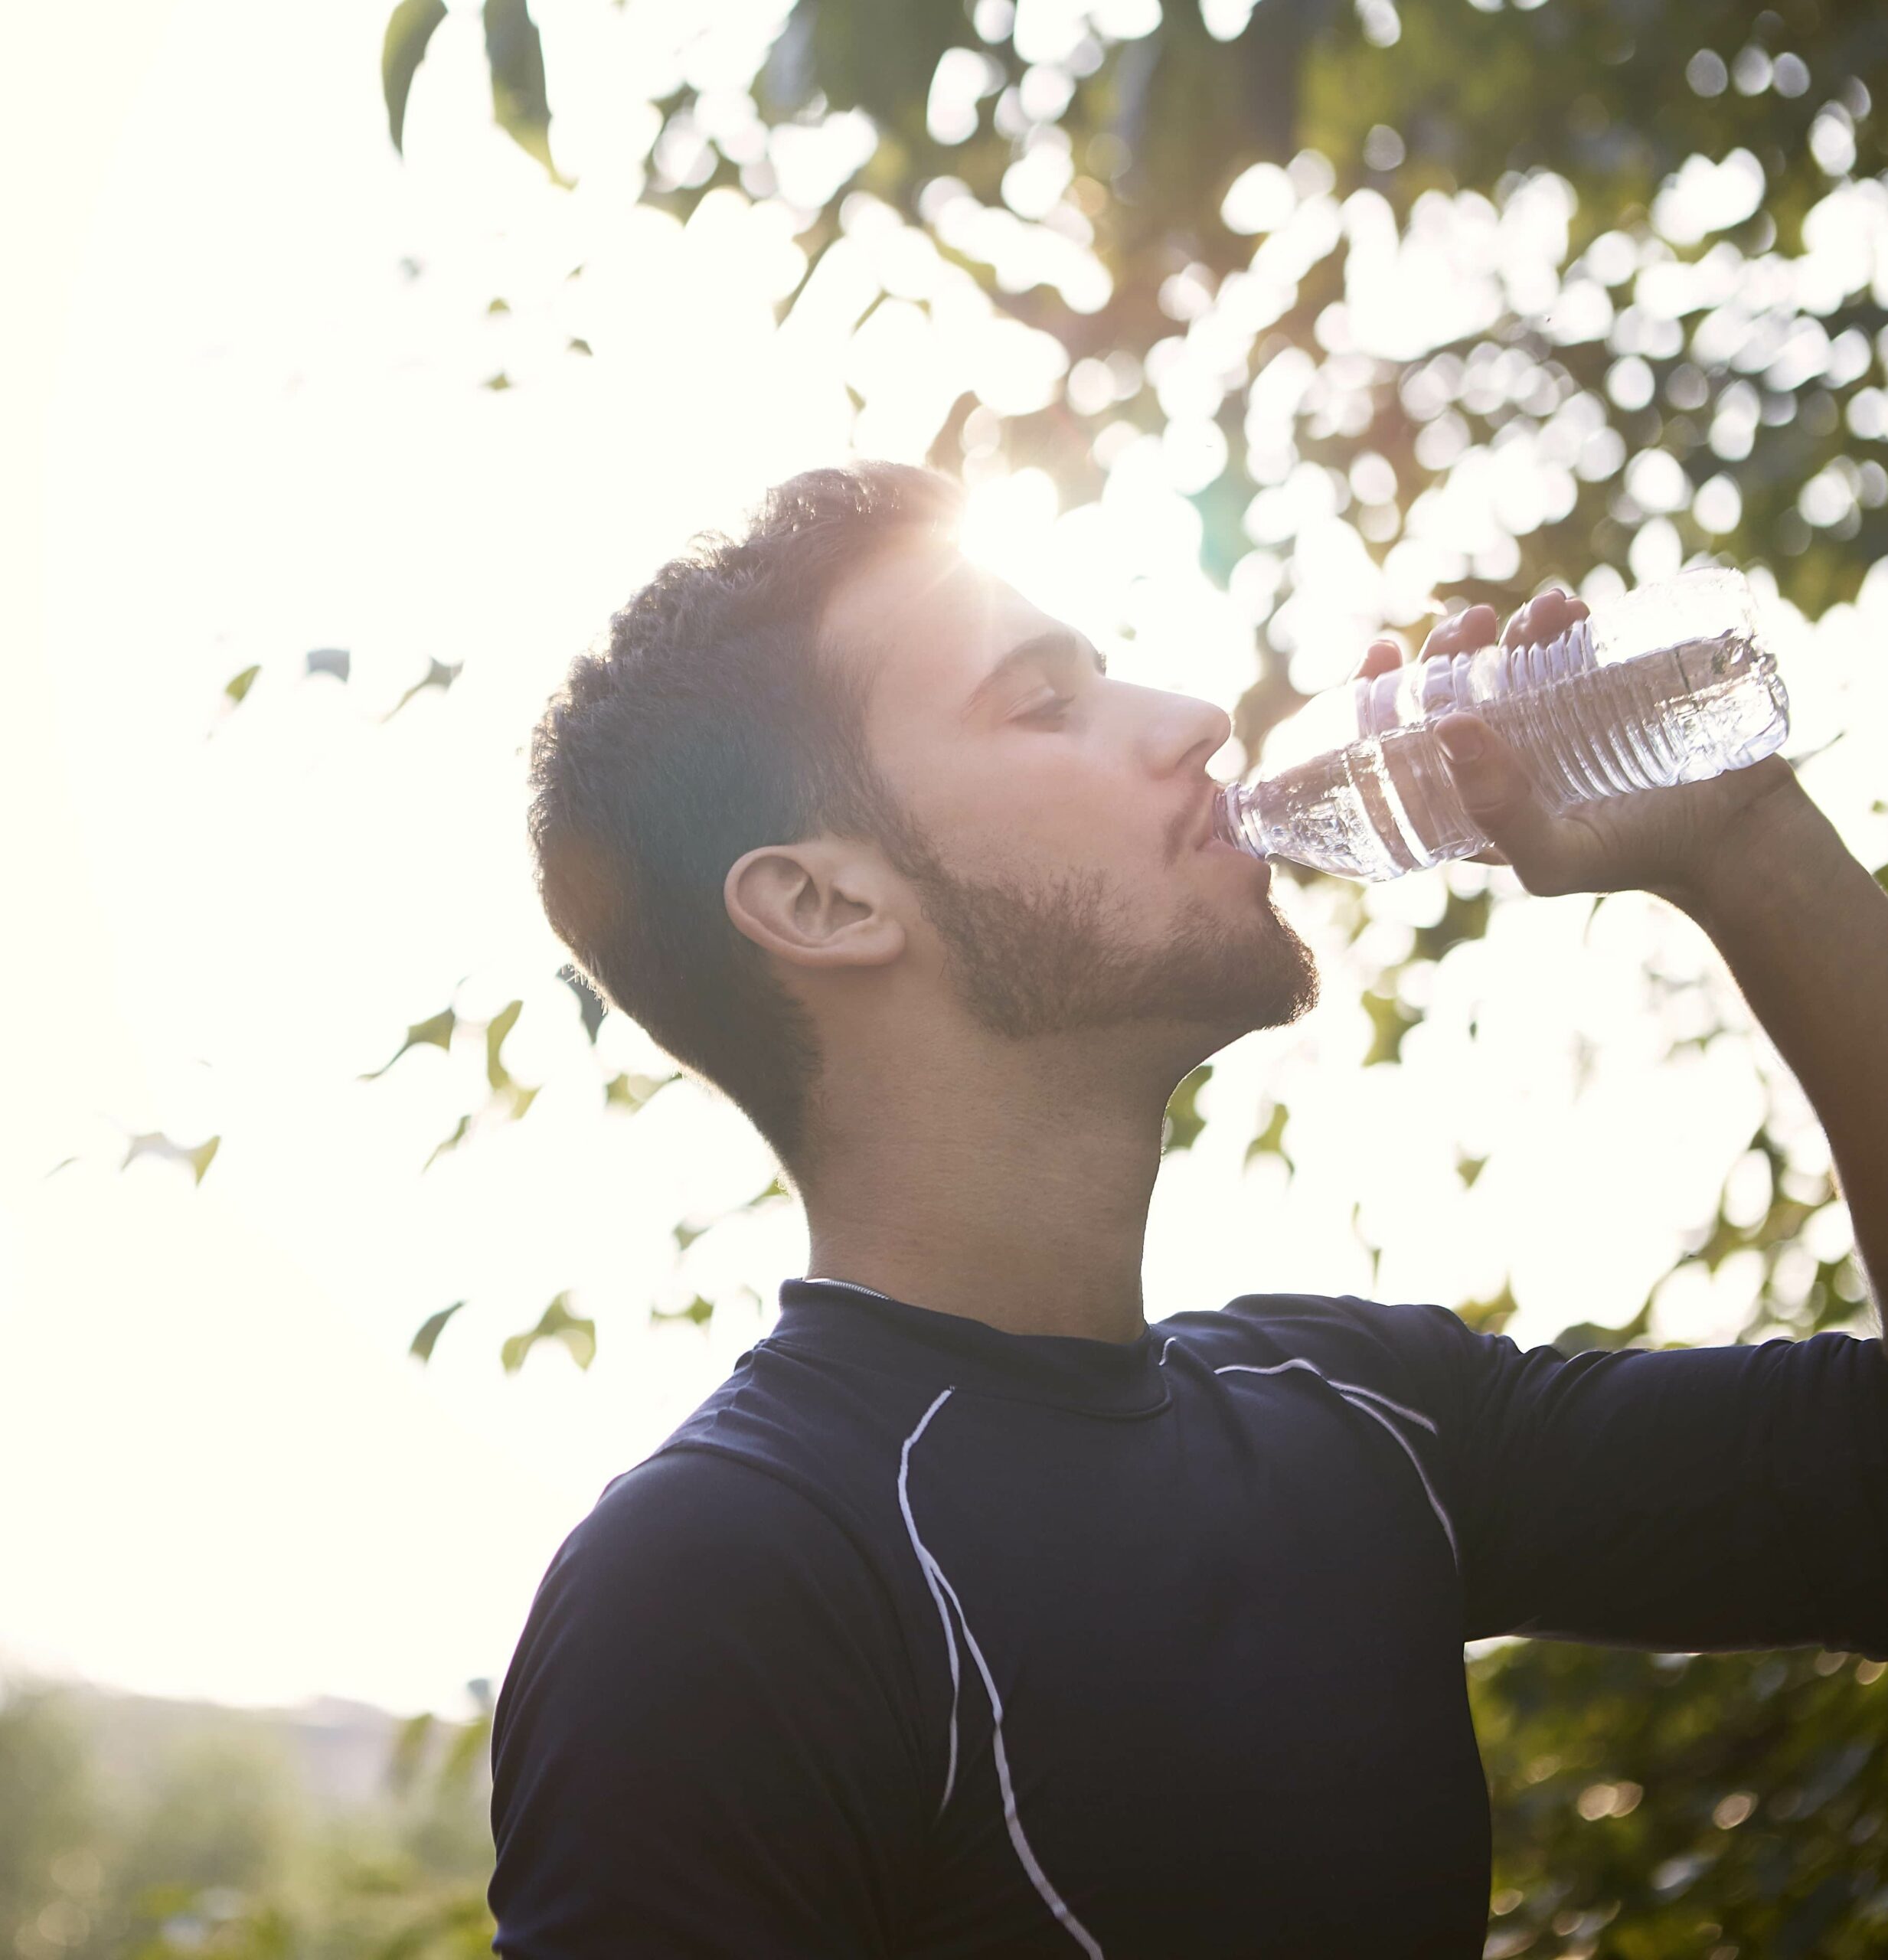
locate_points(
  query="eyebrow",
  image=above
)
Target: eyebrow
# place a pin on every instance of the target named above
(1059, 643)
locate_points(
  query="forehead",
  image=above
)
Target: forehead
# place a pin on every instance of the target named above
(923, 625)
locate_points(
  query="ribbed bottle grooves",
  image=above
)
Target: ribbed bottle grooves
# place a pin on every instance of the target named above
(1605, 732)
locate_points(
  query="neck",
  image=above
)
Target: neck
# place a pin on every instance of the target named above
(1010, 1186)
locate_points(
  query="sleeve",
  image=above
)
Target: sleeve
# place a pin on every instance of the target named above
(706, 1744)
(1690, 1499)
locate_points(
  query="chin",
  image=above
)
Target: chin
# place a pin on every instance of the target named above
(1259, 974)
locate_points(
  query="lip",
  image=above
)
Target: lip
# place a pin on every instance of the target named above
(1217, 847)
(1205, 832)
(1210, 843)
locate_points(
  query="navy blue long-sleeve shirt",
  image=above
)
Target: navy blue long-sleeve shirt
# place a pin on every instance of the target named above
(919, 1639)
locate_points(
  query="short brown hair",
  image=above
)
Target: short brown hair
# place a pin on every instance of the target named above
(716, 720)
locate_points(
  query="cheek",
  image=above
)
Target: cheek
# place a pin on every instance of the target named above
(1023, 797)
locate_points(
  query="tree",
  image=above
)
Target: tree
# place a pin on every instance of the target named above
(1650, 245)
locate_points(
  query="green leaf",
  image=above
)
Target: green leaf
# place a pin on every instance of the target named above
(688, 1231)
(438, 674)
(1491, 1316)
(429, 1334)
(408, 28)
(1390, 1020)
(1585, 1336)
(518, 98)
(698, 1310)
(1270, 1141)
(451, 1142)
(1183, 1122)
(500, 1025)
(436, 1033)
(236, 689)
(154, 1144)
(560, 1325)
(629, 1093)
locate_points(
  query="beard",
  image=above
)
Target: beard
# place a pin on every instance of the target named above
(1059, 957)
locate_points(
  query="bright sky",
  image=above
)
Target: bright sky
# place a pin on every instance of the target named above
(237, 430)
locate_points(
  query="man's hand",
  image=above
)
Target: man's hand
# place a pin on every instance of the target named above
(1679, 842)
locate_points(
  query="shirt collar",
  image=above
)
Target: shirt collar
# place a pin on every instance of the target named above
(851, 1322)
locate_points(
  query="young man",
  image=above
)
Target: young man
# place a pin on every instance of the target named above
(972, 1616)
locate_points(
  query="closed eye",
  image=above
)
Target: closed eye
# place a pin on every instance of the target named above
(1055, 652)
(1049, 711)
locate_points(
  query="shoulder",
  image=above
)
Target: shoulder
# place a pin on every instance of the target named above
(829, 1429)
(1422, 1351)
(697, 1522)
(693, 1574)
(707, 1739)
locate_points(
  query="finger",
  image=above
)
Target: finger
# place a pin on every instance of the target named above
(1496, 791)
(1384, 657)
(1545, 617)
(1466, 632)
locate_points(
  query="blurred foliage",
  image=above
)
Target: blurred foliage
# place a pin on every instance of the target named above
(1651, 1805)
(1155, 144)
(127, 1838)
(154, 1143)
(1209, 206)
(558, 1323)
(409, 29)
(1183, 1122)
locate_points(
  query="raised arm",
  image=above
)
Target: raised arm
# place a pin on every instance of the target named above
(1804, 929)
(1802, 925)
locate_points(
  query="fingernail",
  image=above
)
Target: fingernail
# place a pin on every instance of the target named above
(1463, 744)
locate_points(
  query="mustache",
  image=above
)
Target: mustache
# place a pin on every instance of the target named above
(1185, 828)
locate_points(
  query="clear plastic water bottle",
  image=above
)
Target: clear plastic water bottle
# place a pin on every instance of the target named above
(1671, 683)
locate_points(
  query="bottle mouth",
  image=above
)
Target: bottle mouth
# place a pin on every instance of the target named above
(1223, 816)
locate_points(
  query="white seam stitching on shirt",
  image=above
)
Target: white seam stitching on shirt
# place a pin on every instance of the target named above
(934, 1577)
(850, 1285)
(1342, 1387)
(1357, 1388)
(1170, 1339)
(1037, 1877)
(1353, 1396)
(925, 1565)
(1429, 1489)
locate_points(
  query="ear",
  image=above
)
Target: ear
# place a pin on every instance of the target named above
(825, 903)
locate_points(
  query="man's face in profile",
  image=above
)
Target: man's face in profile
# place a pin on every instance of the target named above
(1071, 873)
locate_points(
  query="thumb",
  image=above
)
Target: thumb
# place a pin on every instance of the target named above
(1494, 785)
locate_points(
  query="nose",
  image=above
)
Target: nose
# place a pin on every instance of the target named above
(1184, 732)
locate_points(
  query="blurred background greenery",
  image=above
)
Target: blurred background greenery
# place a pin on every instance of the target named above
(161, 1829)
(1253, 330)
